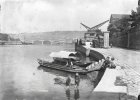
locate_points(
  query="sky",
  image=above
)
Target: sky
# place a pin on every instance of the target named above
(18, 16)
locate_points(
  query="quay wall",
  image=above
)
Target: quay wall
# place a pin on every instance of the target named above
(106, 88)
(93, 54)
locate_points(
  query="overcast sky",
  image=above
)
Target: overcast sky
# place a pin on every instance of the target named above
(59, 15)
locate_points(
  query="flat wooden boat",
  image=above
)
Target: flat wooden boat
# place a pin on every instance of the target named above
(64, 61)
(56, 66)
(84, 65)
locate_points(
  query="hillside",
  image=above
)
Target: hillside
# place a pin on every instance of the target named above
(56, 35)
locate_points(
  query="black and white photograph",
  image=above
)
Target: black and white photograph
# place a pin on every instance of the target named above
(69, 49)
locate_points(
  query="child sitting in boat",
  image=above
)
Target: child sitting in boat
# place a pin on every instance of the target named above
(69, 64)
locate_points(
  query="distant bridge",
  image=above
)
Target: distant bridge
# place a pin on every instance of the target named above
(38, 42)
(42, 42)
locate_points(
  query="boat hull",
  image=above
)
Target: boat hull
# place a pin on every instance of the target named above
(52, 65)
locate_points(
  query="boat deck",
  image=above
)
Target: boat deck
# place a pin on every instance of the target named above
(67, 68)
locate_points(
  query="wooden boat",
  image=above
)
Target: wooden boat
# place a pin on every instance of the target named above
(74, 69)
(84, 65)
(65, 62)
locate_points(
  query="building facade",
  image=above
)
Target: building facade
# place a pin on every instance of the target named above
(118, 38)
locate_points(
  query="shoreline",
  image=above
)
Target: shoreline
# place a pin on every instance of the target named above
(128, 75)
(132, 85)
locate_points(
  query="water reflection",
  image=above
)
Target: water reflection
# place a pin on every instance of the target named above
(76, 94)
(87, 83)
(54, 72)
(21, 80)
(69, 90)
(68, 94)
(90, 76)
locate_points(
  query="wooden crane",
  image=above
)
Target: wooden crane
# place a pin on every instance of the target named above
(94, 33)
(94, 27)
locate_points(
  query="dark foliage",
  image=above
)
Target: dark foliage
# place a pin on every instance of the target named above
(3, 37)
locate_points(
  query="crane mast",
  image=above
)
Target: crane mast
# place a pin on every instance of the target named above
(99, 25)
(94, 27)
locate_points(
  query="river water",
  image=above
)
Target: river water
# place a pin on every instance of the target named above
(20, 78)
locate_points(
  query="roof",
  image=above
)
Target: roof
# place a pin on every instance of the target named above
(115, 17)
(62, 54)
(100, 36)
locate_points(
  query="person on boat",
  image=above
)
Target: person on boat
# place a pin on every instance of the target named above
(93, 43)
(68, 64)
(71, 64)
(80, 42)
(112, 64)
(68, 81)
(77, 41)
(77, 79)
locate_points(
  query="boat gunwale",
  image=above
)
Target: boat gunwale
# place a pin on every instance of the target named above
(65, 68)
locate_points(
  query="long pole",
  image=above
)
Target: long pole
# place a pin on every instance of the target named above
(1, 14)
(128, 39)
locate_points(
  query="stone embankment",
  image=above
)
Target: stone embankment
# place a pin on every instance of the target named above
(125, 78)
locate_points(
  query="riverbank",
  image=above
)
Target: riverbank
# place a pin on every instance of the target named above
(22, 80)
(129, 67)
(107, 88)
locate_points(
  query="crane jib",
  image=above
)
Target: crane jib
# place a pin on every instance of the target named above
(94, 27)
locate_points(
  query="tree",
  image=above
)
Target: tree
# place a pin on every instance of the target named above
(135, 18)
(124, 25)
(121, 25)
